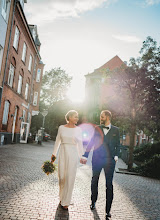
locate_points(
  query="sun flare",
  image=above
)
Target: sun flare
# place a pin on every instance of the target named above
(76, 93)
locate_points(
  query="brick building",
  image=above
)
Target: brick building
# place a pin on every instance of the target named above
(22, 76)
(98, 87)
(99, 90)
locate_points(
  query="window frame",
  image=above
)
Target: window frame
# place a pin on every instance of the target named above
(5, 115)
(38, 77)
(28, 117)
(19, 87)
(11, 75)
(30, 63)
(4, 9)
(35, 99)
(26, 91)
(24, 52)
(16, 39)
(23, 115)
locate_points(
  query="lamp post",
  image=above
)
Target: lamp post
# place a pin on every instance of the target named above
(44, 113)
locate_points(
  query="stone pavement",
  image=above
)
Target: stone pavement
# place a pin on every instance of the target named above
(27, 193)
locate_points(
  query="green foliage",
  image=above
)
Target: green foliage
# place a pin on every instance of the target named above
(146, 151)
(48, 167)
(148, 156)
(137, 94)
(55, 84)
(150, 167)
(53, 98)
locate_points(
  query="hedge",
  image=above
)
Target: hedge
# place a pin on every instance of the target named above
(145, 152)
(150, 168)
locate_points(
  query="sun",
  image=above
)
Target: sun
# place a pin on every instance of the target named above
(76, 92)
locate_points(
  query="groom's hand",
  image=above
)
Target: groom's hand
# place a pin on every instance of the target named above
(83, 161)
(116, 158)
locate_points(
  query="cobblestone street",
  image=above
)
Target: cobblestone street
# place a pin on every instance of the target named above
(27, 193)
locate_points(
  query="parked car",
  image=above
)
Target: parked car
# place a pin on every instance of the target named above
(46, 137)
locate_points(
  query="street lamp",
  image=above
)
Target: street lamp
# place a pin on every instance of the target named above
(44, 113)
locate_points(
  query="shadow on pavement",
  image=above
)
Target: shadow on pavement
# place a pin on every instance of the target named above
(61, 214)
(95, 214)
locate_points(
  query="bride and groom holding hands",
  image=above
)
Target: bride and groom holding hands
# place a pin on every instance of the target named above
(105, 143)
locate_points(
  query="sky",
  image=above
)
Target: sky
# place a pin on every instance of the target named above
(82, 35)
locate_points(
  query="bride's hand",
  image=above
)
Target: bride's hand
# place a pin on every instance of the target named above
(83, 161)
(53, 158)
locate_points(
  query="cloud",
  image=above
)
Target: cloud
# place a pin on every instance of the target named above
(127, 38)
(43, 11)
(152, 2)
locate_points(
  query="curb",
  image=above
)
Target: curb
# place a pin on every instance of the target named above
(125, 171)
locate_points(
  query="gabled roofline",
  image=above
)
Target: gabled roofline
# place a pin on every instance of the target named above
(27, 27)
(104, 66)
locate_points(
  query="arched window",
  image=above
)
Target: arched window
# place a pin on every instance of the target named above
(22, 72)
(19, 88)
(13, 61)
(5, 115)
(11, 72)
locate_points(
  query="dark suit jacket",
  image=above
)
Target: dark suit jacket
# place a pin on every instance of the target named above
(105, 146)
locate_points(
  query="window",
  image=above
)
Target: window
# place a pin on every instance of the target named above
(35, 98)
(11, 75)
(1, 55)
(26, 90)
(38, 75)
(24, 52)
(5, 8)
(28, 117)
(30, 63)
(34, 34)
(24, 115)
(19, 84)
(5, 115)
(16, 38)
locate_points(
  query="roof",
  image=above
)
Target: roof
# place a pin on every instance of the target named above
(112, 64)
(36, 38)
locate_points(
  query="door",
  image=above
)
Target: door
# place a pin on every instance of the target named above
(24, 132)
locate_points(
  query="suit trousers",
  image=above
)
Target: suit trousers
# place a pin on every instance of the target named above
(108, 165)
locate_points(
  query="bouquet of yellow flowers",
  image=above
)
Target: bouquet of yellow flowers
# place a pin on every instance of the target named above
(48, 167)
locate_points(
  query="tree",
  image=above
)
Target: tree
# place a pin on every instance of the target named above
(54, 86)
(137, 89)
(56, 115)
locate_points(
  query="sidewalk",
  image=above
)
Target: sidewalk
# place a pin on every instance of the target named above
(27, 193)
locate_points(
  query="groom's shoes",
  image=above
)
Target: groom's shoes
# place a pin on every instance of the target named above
(93, 206)
(108, 215)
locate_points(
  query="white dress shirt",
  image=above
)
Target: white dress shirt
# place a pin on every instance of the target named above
(105, 130)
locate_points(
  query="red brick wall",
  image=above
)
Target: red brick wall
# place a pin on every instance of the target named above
(11, 94)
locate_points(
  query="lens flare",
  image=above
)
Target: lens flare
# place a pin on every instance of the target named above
(88, 130)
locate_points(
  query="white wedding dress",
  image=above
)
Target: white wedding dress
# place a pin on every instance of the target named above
(71, 150)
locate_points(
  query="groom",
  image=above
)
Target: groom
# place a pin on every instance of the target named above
(106, 143)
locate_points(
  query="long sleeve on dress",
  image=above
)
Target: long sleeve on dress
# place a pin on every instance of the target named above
(57, 143)
(80, 144)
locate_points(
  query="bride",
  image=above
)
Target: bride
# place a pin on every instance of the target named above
(69, 138)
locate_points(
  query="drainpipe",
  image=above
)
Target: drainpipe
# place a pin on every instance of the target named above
(1, 92)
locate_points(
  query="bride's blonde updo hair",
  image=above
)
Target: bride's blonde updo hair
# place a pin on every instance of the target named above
(70, 114)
